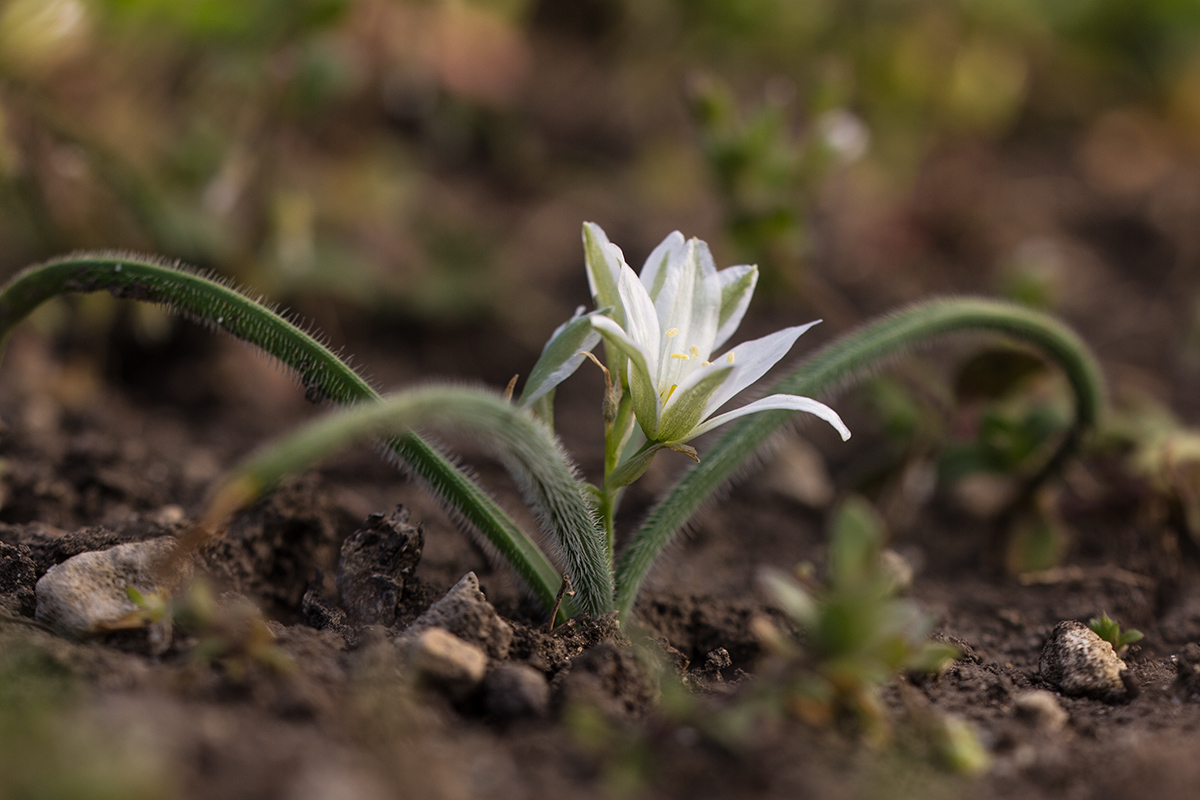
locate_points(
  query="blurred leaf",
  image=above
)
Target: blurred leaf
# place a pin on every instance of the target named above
(229, 20)
(855, 542)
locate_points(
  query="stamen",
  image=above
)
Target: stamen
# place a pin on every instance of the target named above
(729, 356)
(670, 392)
(695, 351)
(672, 333)
(706, 363)
(684, 356)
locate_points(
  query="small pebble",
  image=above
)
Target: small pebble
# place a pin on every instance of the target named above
(1080, 663)
(517, 691)
(441, 658)
(86, 594)
(1041, 710)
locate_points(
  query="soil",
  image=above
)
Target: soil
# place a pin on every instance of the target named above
(295, 685)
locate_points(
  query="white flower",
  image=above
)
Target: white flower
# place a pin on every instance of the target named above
(664, 327)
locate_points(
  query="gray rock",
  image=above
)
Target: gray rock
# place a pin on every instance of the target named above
(86, 594)
(516, 691)
(438, 657)
(1041, 710)
(466, 613)
(1080, 663)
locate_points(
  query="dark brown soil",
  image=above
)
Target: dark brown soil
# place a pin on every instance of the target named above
(327, 711)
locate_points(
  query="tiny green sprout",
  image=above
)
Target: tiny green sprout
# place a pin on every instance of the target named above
(664, 388)
(854, 631)
(234, 634)
(1110, 631)
(152, 608)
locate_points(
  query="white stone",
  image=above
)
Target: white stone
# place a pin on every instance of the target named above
(440, 657)
(87, 593)
(1079, 662)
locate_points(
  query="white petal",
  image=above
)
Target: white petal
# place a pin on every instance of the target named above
(689, 305)
(737, 286)
(622, 341)
(603, 270)
(641, 321)
(661, 261)
(752, 360)
(788, 402)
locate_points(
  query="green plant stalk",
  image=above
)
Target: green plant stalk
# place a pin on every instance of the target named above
(532, 452)
(842, 362)
(616, 434)
(318, 369)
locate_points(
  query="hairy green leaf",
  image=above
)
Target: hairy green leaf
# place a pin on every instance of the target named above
(322, 373)
(843, 362)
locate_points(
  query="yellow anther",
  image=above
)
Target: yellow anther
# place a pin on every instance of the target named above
(684, 356)
(670, 392)
(695, 351)
(672, 333)
(706, 363)
(729, 356)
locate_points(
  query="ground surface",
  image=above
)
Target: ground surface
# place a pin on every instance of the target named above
(88, 465)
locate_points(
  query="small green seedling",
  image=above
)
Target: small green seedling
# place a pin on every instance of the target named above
(853, 631)
(233, 634)
(669, 374)
(1110, 631)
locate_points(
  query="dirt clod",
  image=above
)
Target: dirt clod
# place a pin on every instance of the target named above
(321, 614)
(1187, 669)
(17, 577)
(376, 562)
(1041, 711)
(516, 691)
(608, 677)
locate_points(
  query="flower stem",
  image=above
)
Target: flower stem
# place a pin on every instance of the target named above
(616, 435)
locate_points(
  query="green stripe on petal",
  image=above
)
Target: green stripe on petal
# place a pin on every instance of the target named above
(661, 261)
(603, 269)
(686, 406)
(561, 356)
(737, 285)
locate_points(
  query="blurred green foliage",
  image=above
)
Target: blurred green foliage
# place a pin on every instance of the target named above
(369, 149)
(49, 750)
(855, 630)
(1110, 631)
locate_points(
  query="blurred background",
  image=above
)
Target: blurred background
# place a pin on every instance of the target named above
(425, 165)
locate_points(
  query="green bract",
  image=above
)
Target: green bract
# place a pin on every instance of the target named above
(668, 322)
